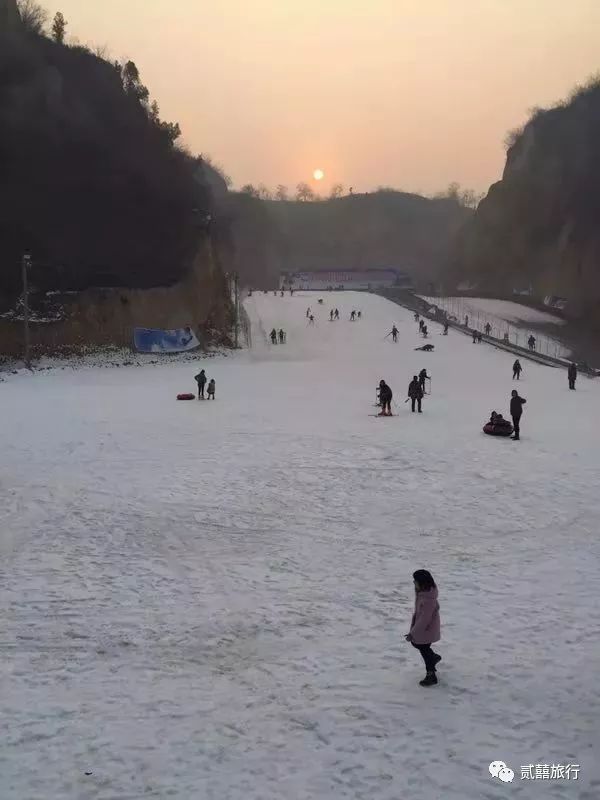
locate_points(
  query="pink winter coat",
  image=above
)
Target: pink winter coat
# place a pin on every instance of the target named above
(425, 626)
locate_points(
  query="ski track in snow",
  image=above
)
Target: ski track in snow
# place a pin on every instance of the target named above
(208, 600)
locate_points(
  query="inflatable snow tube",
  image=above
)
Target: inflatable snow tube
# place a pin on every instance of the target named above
(504, 429)
(186, 396)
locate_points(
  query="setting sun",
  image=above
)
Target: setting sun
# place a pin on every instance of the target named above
(318, 174)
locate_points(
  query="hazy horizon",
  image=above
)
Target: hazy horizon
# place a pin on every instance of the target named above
(378, 93)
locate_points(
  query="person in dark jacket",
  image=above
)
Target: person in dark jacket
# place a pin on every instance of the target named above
(281, 336)
(337, 314)
(423, 376)
(211, 389)
(517, 370)
(474, 336)
(572, 373)
(516, 411)
(531, 342)
(445, 329)
(488, 328)
(200, 379)
(385, 399)
(415, 393)
(394, 333)
(274, 336)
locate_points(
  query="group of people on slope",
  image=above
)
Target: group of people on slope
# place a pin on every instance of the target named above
(282, 336)
(416, 392)
(202, 380)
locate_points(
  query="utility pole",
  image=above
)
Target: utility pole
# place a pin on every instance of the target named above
(25, 264)
(236, 289)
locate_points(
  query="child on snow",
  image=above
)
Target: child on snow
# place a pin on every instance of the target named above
(211, 389)
(425, 625)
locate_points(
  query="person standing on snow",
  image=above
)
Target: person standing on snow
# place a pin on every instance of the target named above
(446, 329)
(394, 333)
(337, 314)
(273, 336)
(531, 342)
(488, 329)
(415, 393)
(331, 315)
(423, 376)
(281, 336)
(352, 316)
(516, 412)
(359, 315)
(200, 379)
(385, 399)
(311, 320)
(211, 389)
(425, 623)
(308, 312)
(572, 373)
(474, 336)
(517, 370)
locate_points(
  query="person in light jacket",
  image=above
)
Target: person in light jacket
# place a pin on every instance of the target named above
(425, 624)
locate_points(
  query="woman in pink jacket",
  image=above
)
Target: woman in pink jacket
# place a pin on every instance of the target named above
(425, 625)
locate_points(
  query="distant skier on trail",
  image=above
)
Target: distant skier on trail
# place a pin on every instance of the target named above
(416, 317)
(359, 314)
(517, 370)
(281, 336)
(479, 337)
(308, 312)
(423, 376)
(331, 315)
(572, 375)
(425, 331)
(466, 320)
(337, 314)
(531, 342)
(425, 623)
(421, 325)
(415, 393)
(516, 411)
(273, 336)
(311, 320)
(211, 389)
(445, 329)
(488, 329)
(200, 379)
(352, 316)
(474, 336)
(385, 399)
(394, 333)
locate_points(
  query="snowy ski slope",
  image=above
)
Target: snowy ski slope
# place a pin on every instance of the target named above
(208, 600)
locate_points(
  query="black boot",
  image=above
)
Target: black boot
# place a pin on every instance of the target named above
(429, 680)
(437, 658)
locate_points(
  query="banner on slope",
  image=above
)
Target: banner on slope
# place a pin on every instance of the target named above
(151, 340)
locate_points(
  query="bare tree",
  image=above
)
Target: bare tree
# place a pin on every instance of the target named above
(248, 188)
(337, 190)
(264, 193)
(59, 27)
(281, 193)
(33, 16)
(304, 193)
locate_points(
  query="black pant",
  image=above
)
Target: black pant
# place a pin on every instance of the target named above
(386, 405)
(201, 389)
(516, 374)
(428, 656)
(516, 421)
(416, 400)
(571, 383)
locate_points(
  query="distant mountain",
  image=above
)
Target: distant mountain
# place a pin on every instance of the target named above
(539, 226)
(381, 229)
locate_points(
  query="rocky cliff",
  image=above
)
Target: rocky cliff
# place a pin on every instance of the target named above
(538, 226)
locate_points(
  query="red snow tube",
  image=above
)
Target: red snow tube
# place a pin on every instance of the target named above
(186, 396)
(502, 429)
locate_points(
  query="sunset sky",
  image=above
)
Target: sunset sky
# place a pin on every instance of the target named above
(413, 94)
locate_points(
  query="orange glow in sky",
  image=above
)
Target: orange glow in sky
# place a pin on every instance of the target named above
(399, 93)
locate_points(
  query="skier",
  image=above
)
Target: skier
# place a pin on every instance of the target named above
(479, 337)
(200, 379)
(425, 623)
(394, 333)
(505, 338)
(445, 329)
(211, 389)
(466, 320)
(474, 336)
(281, 336)
(273, 336)
(331, 315)
(415, 393)
(517, 370)
(337, 314)
(282, 293)
(426, 348)
(352, 316)
(416, 317)
(423, 376)
(516, 410)
(421, 325)
(531, 342)
(359, 314)
(425, 331)
(308, 312)
(385, 399)
(572, 373)
(488, 329)
(311, 320)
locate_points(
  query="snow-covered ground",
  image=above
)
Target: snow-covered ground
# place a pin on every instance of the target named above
(208, 600)
(503, 316)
